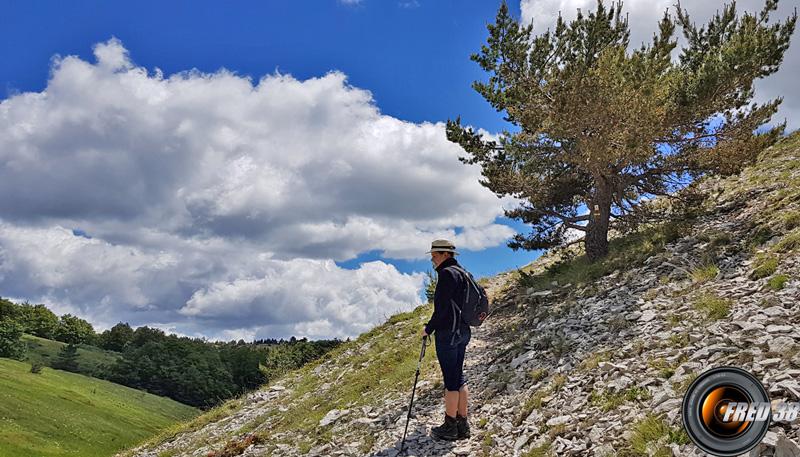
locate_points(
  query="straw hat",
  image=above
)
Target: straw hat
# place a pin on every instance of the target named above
(443, 246)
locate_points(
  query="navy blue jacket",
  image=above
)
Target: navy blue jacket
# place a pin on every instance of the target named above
(450, 285)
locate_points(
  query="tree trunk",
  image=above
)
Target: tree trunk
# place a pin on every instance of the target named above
(597, 229)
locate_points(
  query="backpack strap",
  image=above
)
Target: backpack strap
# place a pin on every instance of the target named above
(467, 275)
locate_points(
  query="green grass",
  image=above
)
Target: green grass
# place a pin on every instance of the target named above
(791, 220)
(533, 402)
(542, 450)
(764, 265)
(593, 360)
(56, 413)
(682, 386)
(790, 242)
(714, 306)
(388, 366)
(607, 400)
(777, 282)
(678, 340)
(537, 374)
(623, 253)
(704, 273)
(44, 351)
(664, 368)
(650, 431)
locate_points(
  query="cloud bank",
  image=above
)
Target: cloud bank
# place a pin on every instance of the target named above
(214, 205)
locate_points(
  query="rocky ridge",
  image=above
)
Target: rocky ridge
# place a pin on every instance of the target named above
(572, 369)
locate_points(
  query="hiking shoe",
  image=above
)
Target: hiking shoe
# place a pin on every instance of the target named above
(448, 430)
(462, 426)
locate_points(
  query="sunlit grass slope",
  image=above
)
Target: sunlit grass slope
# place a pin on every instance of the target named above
(56, 413)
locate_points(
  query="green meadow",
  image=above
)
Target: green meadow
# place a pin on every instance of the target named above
(57, 413)
(44, 351)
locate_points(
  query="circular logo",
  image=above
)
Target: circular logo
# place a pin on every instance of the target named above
(726, 411)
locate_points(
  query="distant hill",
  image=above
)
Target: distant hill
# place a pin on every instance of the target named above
(56, 413)
(191, 371)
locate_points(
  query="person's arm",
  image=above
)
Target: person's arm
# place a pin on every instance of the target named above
(445, 288)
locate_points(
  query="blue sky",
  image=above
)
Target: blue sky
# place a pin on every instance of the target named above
(414, 59)
(254, 169)
(412, 56)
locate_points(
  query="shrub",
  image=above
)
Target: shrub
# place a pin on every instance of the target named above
(11, 344)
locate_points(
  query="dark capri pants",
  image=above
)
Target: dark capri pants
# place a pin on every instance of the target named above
(451, 357)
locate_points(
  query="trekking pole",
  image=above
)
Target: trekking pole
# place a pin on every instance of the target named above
(408, 417)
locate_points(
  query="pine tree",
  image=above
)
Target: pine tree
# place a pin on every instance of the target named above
(601, 126)
(67, 359)
(430, 287)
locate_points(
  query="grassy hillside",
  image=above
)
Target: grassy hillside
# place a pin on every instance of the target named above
(44, 351)
(358, 373)
(56, 413)
(564, 331)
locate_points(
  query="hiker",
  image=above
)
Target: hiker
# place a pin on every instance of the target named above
(450, 346)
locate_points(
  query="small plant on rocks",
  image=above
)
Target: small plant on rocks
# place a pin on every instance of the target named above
(537, 374)
(542, 450)
(763, 266)
(714, 306)
(236, 447)
(777, 282)
(651, 436)
(705, 273)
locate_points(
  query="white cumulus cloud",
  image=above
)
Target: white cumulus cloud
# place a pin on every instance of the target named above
(214, 204)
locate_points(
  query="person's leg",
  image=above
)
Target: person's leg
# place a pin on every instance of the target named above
(463, 392)
(463, 400)
(448, 358)
(451, 402)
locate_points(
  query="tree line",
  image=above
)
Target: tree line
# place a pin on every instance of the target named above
(192, 371)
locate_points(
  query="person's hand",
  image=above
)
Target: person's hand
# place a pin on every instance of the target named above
(424, 333)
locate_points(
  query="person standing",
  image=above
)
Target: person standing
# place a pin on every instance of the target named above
(451, 335)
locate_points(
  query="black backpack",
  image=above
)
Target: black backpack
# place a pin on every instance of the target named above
(475, 308)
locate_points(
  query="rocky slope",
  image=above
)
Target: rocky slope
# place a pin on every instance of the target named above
(577, 359)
